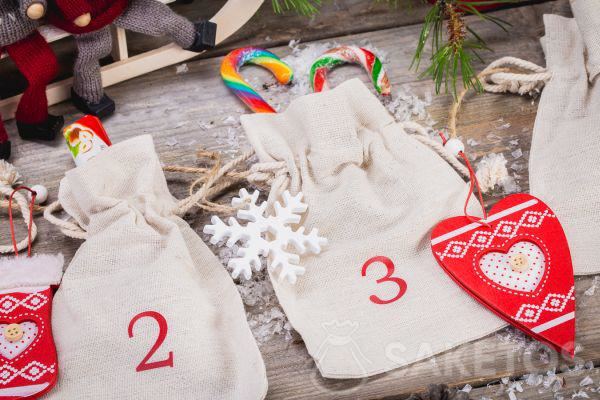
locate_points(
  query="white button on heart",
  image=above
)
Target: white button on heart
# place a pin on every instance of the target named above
(13, 332)
(519, 262)
(11, 349)
(521, 268)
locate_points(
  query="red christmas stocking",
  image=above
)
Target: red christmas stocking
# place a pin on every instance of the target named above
(28, 364)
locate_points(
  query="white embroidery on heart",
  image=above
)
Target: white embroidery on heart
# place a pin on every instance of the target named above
(497, 267)
(10, 350)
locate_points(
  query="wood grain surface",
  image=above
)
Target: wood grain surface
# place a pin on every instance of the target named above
(190, 110)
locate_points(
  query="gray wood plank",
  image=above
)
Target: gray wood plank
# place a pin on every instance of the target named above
(185, 111)
(574, 383)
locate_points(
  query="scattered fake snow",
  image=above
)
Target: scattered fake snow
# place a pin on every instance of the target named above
(181, 69)
(592, 289)
(492, 173)
(265, 316)
(586, 381)
(467, 388)
(171, 141)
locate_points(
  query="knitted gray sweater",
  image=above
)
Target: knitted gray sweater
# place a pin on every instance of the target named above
(14, 23)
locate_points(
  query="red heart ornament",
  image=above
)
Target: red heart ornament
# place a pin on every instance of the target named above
(517, 263)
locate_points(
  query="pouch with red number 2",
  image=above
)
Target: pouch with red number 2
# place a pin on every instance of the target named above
(145, 310)
(374, 299)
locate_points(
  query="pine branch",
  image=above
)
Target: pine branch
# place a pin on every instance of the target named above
(453, 53)
(304, 7)
(454, 45)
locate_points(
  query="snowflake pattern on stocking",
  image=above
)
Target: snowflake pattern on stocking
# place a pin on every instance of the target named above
(266, 236)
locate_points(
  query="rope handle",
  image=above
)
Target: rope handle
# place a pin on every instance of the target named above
(29, 222)
(70, 229)
(498, 77)
(501, 77)
(27, 208)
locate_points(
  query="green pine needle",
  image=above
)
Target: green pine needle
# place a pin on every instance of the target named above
(304, 7)
(449, 60)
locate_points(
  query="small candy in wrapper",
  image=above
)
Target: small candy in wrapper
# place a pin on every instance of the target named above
(86, 138)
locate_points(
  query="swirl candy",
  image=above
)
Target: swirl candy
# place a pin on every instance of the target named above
(353, 55)
(257, 56)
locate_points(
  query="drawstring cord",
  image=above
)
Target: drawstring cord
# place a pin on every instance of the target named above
(30, 223)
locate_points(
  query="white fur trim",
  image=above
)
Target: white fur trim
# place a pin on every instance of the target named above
(39, 270)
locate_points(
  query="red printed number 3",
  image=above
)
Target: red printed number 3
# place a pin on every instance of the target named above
(146, 365)
(401, 283)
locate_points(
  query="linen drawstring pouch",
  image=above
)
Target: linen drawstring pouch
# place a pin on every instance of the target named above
(145, 310)
(374, 299)
(564, 165)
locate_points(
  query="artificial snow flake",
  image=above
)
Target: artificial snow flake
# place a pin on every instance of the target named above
(182, 69)
(586, 381)
(266, 236)
(467, 388)
(592, 289)
(580, 395)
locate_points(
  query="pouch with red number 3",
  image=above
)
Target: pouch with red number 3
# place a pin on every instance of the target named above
(374, 299)
(145, 310)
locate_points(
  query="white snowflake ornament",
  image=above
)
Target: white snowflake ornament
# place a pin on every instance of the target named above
(266, 236)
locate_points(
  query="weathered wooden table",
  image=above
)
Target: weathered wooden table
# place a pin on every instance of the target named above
(188, 110)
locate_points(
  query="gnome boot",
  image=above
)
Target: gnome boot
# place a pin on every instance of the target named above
(5, 150)
(4, 142)
(46, 130)
(206, 36)
(104, 108)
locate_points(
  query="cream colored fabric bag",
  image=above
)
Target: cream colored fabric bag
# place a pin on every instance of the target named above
(145, 310)
(373, 191)
(564, 165)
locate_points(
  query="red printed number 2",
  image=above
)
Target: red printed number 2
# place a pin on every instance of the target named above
(401, 283)
(145, 365)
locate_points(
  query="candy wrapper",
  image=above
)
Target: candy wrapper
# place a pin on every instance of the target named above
(86, 138)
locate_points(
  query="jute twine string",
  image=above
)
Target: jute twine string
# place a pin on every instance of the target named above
(218, 179)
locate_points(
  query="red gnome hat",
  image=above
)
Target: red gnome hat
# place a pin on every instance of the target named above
(63, 13)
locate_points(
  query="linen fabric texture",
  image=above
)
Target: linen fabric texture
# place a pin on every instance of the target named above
(564, 165)
(373, 191)
(139, 257)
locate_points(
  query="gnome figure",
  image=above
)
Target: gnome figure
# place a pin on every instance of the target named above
(36, 61)
(90, 21)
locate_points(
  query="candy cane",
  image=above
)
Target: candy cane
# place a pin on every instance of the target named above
(353, 55)
(257, 56)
